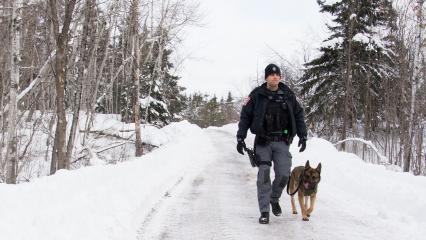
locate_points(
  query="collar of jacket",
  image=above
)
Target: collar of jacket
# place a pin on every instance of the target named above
(282, 89)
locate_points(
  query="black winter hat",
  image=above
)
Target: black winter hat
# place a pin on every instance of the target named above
(272, 68)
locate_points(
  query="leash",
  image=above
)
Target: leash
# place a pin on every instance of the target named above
(297, 189)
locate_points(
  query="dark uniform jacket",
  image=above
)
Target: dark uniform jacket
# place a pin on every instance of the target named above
(253, 112)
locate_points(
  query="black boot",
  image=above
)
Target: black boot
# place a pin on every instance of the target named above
(264, 218)
(276, 209)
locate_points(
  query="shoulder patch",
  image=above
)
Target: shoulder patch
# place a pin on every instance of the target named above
(246, 100)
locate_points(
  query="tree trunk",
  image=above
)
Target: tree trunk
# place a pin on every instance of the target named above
(419, 61)
(11, 154)
(81, 77)
(348, 79)
(135, 76)
(60, 78)
(92, 100)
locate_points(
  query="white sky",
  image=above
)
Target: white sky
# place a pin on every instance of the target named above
(225, 54)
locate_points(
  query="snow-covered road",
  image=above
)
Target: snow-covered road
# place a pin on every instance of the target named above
(220, 203)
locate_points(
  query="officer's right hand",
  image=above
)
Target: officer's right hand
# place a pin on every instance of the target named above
(240, 145)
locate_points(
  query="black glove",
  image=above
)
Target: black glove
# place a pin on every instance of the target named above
(302, 141)
(241, 145)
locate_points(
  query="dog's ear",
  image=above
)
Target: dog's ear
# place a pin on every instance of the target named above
(319, 167)
(307, 165)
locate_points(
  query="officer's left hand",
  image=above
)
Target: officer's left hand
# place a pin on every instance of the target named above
(302, 141)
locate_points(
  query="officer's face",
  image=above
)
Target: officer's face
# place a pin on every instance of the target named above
(273, 79)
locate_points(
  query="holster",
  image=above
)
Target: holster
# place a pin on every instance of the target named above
(252, 157)
(258, 160)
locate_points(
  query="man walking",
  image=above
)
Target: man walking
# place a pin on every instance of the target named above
(273, 114)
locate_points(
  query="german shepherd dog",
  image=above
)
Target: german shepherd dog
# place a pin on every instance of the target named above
(304, 180)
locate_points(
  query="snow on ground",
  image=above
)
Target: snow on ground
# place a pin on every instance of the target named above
(196, 186)
(356, 200)
(102, 202)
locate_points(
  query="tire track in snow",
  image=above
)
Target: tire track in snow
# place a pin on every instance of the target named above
(206, 207)
(156, 206)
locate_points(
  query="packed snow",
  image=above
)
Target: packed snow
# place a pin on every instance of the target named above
(196, 186)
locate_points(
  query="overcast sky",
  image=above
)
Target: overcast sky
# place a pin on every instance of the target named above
(236, 38)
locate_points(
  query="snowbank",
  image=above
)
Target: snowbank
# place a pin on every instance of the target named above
(392, 201)
(102, 202)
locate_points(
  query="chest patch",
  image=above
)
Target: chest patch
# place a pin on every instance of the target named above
(246, 100)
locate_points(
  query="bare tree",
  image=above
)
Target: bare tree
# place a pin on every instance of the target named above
(61, 38)
(134, 16)
(11, 154)
(78, 54)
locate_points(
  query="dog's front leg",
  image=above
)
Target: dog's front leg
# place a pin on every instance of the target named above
(313, 197)
(306, 202)
(302, 206)
(293, 205)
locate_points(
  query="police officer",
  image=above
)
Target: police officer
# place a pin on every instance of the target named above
(273, 114)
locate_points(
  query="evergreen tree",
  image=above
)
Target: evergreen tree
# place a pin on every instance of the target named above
(231, 110)
(155, 109)
(160, 86)
(342, 85)
(205, 111)
(211, 114)
(192, 111)
(229, 99)
(161, 96)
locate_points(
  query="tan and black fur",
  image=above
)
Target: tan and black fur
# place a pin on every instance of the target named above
(307, 179)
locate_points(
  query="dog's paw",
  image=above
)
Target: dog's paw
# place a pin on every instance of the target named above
(305, 219)
(294, 212)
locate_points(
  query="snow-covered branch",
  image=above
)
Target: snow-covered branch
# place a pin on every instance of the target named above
(383, 159)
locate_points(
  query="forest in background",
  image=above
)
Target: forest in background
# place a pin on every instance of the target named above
(65, 61)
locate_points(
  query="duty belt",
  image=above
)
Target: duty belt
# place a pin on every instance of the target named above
(276, 138)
